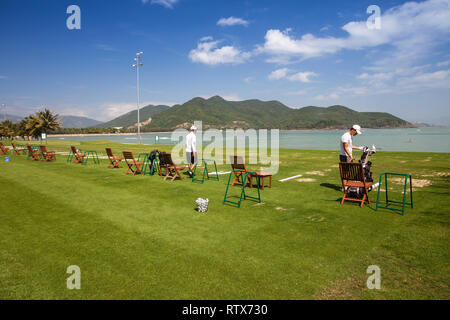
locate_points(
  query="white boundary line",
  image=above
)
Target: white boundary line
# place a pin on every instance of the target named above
(290, 178)
(219, 173)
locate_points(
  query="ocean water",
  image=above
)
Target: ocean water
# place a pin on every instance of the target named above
(427, 139)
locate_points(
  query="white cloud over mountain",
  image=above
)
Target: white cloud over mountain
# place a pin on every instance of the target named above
(282, 73)
(209, 52)
(165, 3)
(410, 29)
(232, 21)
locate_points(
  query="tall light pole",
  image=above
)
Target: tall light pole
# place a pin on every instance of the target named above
(137, 65)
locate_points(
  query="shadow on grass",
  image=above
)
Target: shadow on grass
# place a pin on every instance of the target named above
(331, 186)
(371, 206)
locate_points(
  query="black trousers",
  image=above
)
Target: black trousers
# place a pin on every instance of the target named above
(343, 158)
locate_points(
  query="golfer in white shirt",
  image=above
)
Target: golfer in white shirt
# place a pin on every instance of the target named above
(191, 149)
(346, 144)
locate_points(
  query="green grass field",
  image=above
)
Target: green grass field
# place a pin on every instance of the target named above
(141, 238)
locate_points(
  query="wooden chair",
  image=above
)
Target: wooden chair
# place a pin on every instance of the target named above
(237, 163)
(47, 155)
(77, 157)
(133, 165)
(3, 149)
(114, 162)
(172, 169)
(33, 155)
(352, 175)
(17, 151)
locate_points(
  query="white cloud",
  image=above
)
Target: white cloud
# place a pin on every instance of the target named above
(278, 74)
(434, 80)
(398, 81)
(401, 80)
(443, 63)
(363, 76)
(248, 79)
(232, 97)
(299, 76)
(166, 3)
(207, 38)
(412, 29)
(332, 96)
(302, 76)
(232, 21)
(208, 52)
(73, 112)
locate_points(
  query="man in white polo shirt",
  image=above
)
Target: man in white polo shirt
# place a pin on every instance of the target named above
(191, 149)
(347, 144)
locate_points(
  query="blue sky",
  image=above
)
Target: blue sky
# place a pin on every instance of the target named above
(298, 52)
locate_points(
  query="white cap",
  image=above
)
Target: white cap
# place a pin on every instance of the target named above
(357, 128)
(193, 128)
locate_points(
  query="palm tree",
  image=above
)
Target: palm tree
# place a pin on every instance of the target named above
(48, 121)
(7, 129)
(21, 129)
(33, 126)
(41, 122)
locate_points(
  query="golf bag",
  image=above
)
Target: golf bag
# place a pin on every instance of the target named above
(152, 156)
(367, 165)
(152, 159)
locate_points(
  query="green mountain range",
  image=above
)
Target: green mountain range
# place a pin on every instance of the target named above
(130, 119)
(219, 113)
(78, 122)
(10, 117)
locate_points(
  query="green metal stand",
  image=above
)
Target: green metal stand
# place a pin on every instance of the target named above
(37, 149)
(155, 166)
(388, 202)
(245, 174)
(91, 154)
(143, 155)
(70, 157)
(205, 171)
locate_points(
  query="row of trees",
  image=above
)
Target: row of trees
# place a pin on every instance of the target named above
(86, 130)
(32, 126)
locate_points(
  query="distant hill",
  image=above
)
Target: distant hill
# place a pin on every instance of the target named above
(11, 118)
(78, 122)
(340, 116)
(216, 112)
(130, 119)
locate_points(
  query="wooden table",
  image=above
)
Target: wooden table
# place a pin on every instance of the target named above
(261, 176)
